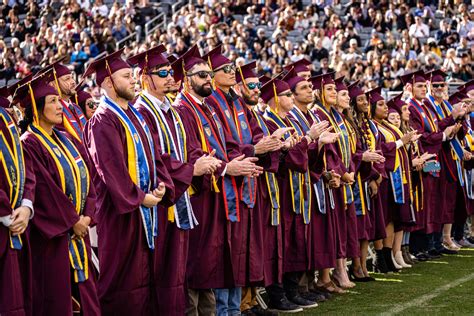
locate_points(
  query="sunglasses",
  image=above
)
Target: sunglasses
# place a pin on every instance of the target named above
(227, 69)
(439, 85)
(253, 85)
(163, 73)
(91, 105)
(202, 74)
(288, 94)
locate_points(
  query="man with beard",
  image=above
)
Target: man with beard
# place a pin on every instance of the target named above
(265, 233)
(183, 163)
(451, 180)
(241, 124)
(216, 202)
(73, 118)
(433, 133)
(130, 181)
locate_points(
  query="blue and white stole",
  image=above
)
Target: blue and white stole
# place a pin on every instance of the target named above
(74, 182)
(270, 178)
(139, 167)
(455, 143)
(13, 162)
(469, 174)
(397, 176)
(318, 186)
(238, 125)
(182, 212)
(215, 139)
(299, 182)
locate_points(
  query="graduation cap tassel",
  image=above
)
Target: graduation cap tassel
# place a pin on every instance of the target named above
(243, 80)
(277, 102)
(213, 82)
(110, 74)
(57, 83)
(33, 105)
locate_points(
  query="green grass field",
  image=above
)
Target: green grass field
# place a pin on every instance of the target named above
(440, 287)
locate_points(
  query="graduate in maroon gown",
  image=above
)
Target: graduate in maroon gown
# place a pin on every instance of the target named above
(293, 176)
(183, 161)
(321, 251)
(396, 188)
(85, 101)
(62, 275)
(342, 197)
(368, 162)
(245, 131)
(131, 180)
(213, 263)
(451, 180)
(301, 68)
(17, 185)
(74, 119)
(433, 134)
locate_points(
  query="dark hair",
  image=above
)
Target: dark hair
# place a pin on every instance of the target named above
(28, 116)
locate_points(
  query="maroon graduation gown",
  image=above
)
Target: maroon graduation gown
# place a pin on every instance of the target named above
(15, 265)
(266, 252)
(171, 252)
(126, 268)
(345, 218)
(211, 263)
(246, 234)
(54, 218)
(448, 183)
(322, 251)
(295, 233)
(431, 142)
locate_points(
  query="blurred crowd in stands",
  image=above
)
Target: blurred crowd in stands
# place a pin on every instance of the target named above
(374, 41)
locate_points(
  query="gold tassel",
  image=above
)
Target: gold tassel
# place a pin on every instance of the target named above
(33, 105)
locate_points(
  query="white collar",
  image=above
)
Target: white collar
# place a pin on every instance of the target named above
(164, 106)
(195, 99)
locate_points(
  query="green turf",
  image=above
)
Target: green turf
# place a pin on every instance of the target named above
(393, 290)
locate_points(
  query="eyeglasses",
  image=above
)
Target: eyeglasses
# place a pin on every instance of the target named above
(288, 94)
(253, 85)
(91, 105)
(439, 85)
(227, 69)
(163, 73)
(202, 74)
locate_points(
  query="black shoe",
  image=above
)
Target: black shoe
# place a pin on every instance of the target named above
(259, 311)
(325, 294)
(446, 251)
(387, 252)
(369, 279)
(284, 306)
(315, 297)
(298, 300)
(248, 312)
(434, 254)
(422, 256)
(355, 278)
(380, 263)
(471, 239)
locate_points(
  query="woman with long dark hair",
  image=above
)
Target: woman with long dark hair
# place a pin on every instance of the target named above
(370, 221)
(64, 204)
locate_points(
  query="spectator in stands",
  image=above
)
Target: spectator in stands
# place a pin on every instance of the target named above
(419, 29)
(78, 58)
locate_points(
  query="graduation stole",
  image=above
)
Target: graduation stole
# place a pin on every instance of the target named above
(74, 182)
(429, 120)
(318, 186)
(182, 211)
(398, 176)
(13, 162)
(457, 152)
(72, 126)
(139, 168)
(238, 125)
(215, 139)
(345, 144)
(469, 174)
(272, 183)
(299, 182)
